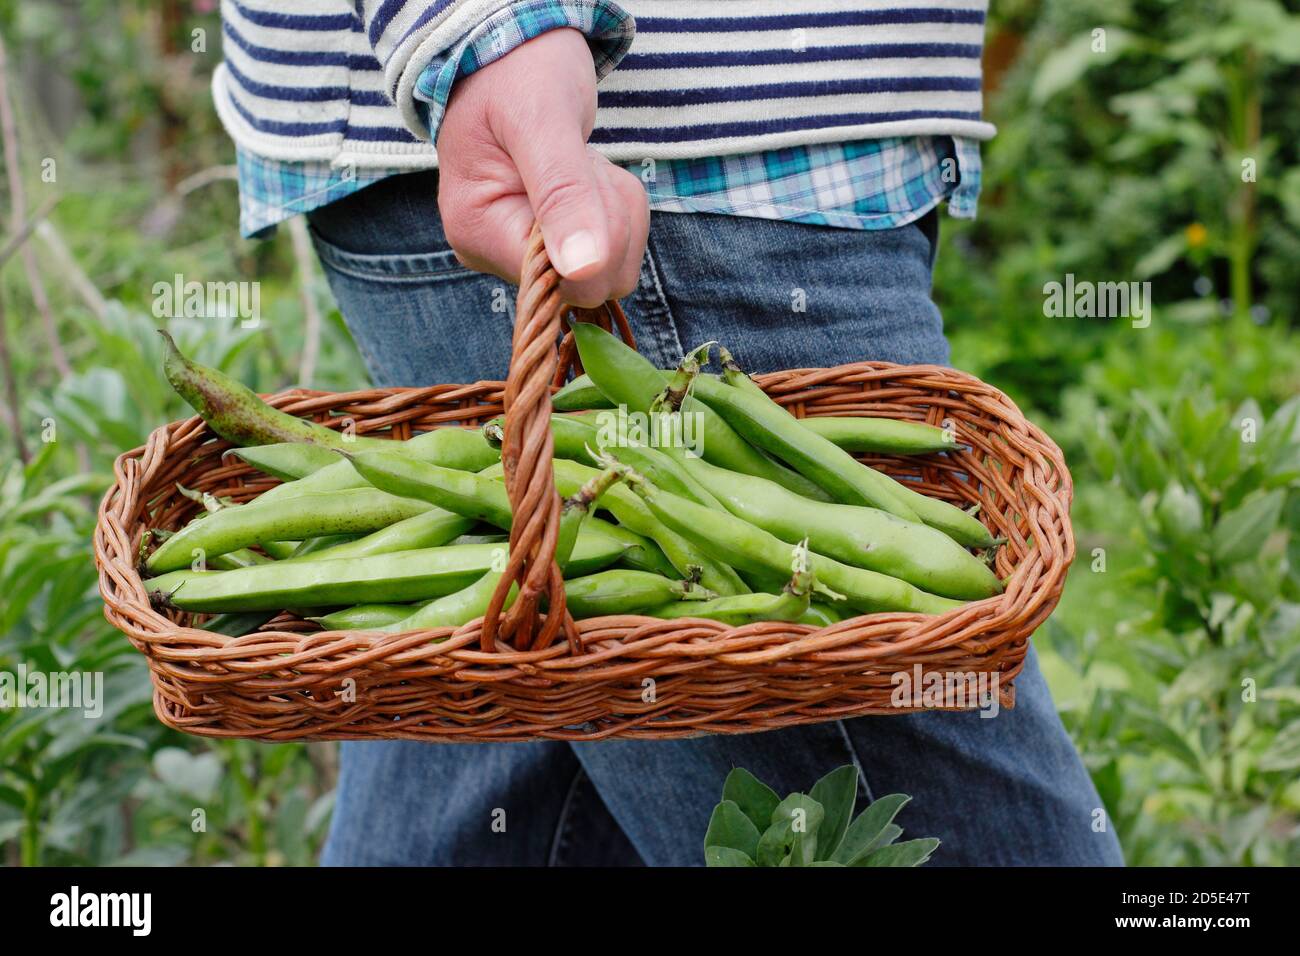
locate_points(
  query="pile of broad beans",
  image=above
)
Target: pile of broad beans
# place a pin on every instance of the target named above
(685, 494)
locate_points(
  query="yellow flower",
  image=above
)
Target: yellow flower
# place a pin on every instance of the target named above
(1196, 235)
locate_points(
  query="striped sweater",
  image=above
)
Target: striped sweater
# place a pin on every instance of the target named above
(340, 80)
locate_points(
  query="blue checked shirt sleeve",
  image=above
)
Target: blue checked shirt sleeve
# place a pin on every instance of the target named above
(607, 26)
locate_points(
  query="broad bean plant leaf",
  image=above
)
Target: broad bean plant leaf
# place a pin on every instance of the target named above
(908, 853)
(836, 792)
(1241, 532)
(755, 798)
(730, 828)
(723, 856)
(751, 827)
(868, 827)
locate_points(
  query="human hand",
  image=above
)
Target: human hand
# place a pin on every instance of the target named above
(513, 148)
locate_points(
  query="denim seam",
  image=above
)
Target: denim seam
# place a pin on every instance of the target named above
(668, 336)
(560, 840)
(368, 267)
(857, 762)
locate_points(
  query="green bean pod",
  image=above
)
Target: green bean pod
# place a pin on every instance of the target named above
(685, 556)
(314, 546)
(578, 395)
(743, 545)
(883, 436)
(962, 527)
(235, 412)
(575, 509)
(789, 604)
(379, 579)
(281, 550)
(459, 448)
(886, 436)
(628, 378)
(287, 460)
(772, 428)
(353, 511)
(237, 625)
(608, 431)
(865, 537)
(430, 529)
(365, 617)
(462, 492)
(496, 538)
(820, 614)
(241, 558)
(453, 610)
(623, 591)
(642, 553)
(765, 422)
(738, 609)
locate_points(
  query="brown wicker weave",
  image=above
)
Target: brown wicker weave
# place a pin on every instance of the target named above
(526, 675)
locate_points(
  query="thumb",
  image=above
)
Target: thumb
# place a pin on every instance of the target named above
(565, 196)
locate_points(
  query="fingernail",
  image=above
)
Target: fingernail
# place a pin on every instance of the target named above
(577, 251)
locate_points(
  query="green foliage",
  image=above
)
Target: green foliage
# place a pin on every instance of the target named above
(119, 787)
(1163, 148)
(752, 826)
(1177, 652)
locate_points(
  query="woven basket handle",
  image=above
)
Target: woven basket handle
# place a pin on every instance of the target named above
(526, 451)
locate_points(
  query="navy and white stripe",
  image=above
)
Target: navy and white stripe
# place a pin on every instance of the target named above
(336, 80)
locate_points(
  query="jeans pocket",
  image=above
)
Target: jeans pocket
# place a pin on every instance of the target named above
(428, 266)
(420, 318)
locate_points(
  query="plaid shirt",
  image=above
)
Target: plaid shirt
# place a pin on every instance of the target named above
(866, 184)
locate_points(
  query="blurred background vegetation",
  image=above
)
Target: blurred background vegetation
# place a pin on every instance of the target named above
(1174, 656)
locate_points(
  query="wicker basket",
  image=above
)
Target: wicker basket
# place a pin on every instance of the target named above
(523, 675)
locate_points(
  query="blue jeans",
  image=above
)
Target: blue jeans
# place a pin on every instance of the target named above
(1000, 791)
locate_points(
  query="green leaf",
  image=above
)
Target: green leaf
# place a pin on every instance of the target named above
(729, 827)
(725, 856)
(1241, 532)
(1157, 735)
(908, 853)
(805, 813)
(1179, 513)
(195, 775)
(791, 839)
(755, 798)
(887, 836)
(803, 849)
(1066, 65)
(1284, 752)
(836, 792)
(826, 863)
(868, 827)
(774, 845)
(1161, 256)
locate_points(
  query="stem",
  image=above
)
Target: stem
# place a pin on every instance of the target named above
(69, 267)
(256, 832)
(1244, 132)
(31, 839)
(18, 213)
(11, 403)
(302, 256)
(682, 380)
